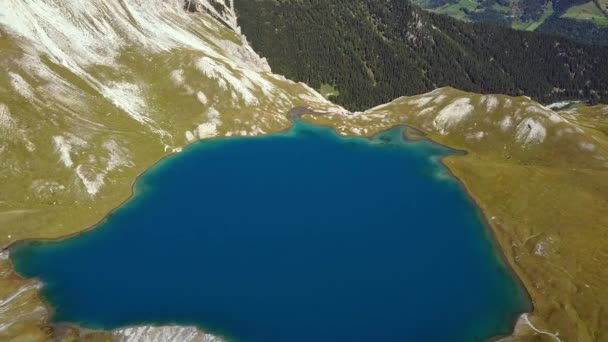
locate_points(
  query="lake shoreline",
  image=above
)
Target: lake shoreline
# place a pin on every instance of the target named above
(491, 229)
(481, 212)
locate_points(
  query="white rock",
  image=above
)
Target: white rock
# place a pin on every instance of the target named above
(477, 135)
(64, 146)
(91, 181)
(21, 86)
(506, 123)
(117, 156)
(7, 122)
(127, 97)
(530, 131)
(190, 136)
(207, 130)
(163, 334)
(586, 146)
(426, 111)
(202, 98)
(421, 102)
(491, 102)
(453, 114)
(178, 77)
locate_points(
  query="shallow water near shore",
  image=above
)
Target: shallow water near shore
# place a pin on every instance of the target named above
(298, 236)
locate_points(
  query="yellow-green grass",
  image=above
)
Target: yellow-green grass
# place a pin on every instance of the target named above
(586, 11)
(455, 10)
(328, 91)
(531, 26)
(600, 21)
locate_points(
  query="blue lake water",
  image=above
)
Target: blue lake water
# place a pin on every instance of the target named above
(296, 237)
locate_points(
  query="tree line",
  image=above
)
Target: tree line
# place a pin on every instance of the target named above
(373, 51)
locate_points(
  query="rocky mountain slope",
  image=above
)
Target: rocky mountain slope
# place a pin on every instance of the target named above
(91, 96)
(88, 91)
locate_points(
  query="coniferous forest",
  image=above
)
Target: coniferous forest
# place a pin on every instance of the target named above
(373, 51)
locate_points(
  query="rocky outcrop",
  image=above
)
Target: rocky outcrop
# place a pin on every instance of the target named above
(222, 10)
(164, 334)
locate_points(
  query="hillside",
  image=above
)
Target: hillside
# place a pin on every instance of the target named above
(91, 96)
(375, 51)
(585, 21)
(541, 178)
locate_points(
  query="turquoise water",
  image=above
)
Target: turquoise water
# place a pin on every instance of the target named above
(300, 236)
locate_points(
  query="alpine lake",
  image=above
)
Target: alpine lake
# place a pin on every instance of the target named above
(297, 236)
